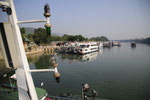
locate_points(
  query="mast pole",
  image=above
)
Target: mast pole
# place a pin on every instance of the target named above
(23, 63)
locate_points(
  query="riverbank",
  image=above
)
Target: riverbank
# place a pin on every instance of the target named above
(37, 50)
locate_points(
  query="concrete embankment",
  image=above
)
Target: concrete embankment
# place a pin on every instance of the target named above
(37, 50)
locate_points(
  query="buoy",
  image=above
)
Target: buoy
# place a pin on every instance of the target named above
(57, 77)
(57, 74)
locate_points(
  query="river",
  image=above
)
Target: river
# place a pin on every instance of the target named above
(117, 73)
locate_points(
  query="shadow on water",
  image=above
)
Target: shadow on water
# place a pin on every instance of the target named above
(34, 57)
(41, 60)
(133, 47)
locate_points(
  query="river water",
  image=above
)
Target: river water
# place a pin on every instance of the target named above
(117, 73)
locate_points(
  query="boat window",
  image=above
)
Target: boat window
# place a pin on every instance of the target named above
(94, 45)
(82, 46)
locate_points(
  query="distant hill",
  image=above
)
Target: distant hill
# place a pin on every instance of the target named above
(102, 38)
(142, 40)
(146, 41)
(31, 30)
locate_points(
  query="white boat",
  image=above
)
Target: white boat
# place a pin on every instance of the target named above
(84, 48)
(69, 47)
(100, 45)
(116, 43)
(107, 44)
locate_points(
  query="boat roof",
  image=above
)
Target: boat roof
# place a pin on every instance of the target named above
(40, 92)
(86, 43)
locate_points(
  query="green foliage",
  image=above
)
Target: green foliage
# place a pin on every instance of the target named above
(43, 62)
(40, 36)
(76, 38)
(56, 38)
(23, 31)
(65, 37)
(23, 35)
(73, 38)
(102, 38)
(30, 37)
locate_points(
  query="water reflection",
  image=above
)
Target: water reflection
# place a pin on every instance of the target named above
(45, 61)
(133, 47)
(41, 60)
(107, 49)
(34, 57)
(80, 58)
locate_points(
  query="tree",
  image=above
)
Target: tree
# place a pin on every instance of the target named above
(29, 36)
(56, 38)
(102, 38)
(23, 31)
(23, 35)
(65, 37)
(71, 38)
(76, 38)
(40, 36)
(79, 38)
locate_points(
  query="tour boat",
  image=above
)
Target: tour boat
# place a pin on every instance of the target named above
(84, 48)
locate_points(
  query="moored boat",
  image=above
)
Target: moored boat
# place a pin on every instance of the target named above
(133, 44)
(116, 43)
(107, 44)
(87, 47)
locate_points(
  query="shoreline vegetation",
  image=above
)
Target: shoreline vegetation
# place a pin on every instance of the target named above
(38, 41)
(39, 37)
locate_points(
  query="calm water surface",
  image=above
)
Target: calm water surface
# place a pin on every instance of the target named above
(118, 73)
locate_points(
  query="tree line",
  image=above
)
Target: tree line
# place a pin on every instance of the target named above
(40, 37)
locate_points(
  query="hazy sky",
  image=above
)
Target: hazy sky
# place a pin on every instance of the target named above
(115, 19)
